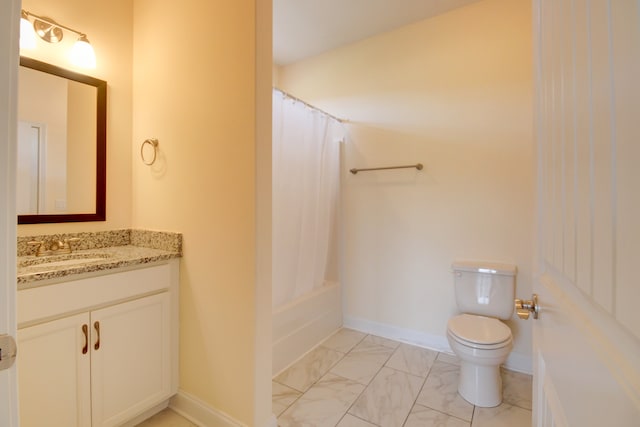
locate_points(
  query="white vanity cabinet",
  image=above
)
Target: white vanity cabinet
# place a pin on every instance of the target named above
(130, 371)
(99, 351)
(54, 375)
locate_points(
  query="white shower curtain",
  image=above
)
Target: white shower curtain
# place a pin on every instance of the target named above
(306, 172)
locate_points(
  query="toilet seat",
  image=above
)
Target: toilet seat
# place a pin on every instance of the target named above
(479, 331)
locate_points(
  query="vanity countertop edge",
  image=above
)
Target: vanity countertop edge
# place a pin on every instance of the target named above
(128, 253)
(119, 257)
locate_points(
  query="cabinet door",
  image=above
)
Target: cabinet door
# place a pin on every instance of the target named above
(131, 369)
(54, 374)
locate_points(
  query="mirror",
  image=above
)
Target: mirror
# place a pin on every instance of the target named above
(62, 141)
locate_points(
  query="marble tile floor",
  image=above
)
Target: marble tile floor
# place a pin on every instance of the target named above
(357, 380)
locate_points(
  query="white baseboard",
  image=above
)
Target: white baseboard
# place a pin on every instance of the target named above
(199, 413)
(146, 415)
(203, 415)
(409, 336)
(516, 361)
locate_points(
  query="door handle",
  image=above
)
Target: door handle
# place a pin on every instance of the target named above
(8, 351)
(525, 307)
(85, 331)
(96, 326)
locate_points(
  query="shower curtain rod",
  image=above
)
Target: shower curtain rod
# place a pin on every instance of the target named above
(288, 95)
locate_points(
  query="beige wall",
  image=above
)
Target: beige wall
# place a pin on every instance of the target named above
(108, 25)
(455, 93)
(195, 90)
(81, 172)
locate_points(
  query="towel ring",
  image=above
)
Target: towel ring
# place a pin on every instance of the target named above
(154, 144)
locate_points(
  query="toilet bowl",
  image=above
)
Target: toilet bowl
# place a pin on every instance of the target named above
(484, 295)
(482, 344)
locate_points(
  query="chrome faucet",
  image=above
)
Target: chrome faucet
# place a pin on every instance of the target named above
(57, 247)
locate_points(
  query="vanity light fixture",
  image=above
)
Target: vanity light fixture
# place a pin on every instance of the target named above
(27, 35)
(82, 53)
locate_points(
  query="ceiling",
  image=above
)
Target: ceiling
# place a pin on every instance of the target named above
(304, 28)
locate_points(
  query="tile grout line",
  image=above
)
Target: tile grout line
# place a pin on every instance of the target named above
(367, 386)
(444, 413)
(399, 371)
(473, 414)
(419, 391)
(302, 393)
(372, 378)
(344, 355)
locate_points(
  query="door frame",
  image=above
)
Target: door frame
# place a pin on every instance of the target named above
(9, 22)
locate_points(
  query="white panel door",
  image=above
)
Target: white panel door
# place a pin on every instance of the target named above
(55, 380)
(587, 339)
(130, 360)
(9, 18)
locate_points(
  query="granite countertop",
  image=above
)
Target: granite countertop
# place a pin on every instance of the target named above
(98, 253)
(31, 269)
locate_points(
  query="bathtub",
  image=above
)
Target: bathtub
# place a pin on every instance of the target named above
(300, 325)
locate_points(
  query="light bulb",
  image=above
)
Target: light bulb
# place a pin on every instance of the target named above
(82, 53)
(27, 35)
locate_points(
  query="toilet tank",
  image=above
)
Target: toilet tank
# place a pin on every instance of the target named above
(485, 288)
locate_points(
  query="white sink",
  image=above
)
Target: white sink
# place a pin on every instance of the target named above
(63, 260)
(69, 262)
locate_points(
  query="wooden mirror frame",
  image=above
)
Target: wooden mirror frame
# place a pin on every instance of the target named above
(101, 146)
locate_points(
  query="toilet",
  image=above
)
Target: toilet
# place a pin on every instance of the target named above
(484, 295)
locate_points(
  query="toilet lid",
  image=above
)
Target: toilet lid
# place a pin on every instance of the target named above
(479, 329)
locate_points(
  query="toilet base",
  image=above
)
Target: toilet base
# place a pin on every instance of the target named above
(480, 385)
